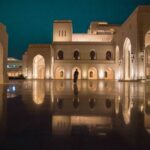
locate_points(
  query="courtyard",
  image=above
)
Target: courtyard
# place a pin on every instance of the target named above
(58, 114)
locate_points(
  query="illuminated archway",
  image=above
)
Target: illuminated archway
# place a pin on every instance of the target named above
(38, 92)
(147, 55)
(147, 61)
(127, 59)
(59, 73)
(79, 70)
(92, 73)
(109, 74)
(38, 67)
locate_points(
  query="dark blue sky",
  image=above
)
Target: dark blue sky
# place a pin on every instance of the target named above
(30, 21)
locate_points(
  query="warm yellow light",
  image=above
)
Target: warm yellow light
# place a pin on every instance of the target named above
(84, 74)
(101, 74)
(67, 75)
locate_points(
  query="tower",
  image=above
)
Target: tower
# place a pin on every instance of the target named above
(62, 31)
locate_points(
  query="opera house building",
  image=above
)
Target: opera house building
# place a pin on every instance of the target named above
(106, 51)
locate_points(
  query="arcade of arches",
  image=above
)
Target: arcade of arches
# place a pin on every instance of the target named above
(118, 52)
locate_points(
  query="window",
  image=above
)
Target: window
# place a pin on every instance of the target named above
(76, 55)
(108, 55)
(92, 55)
(59, 32)
(65, 33)
(91, 74)
(105, 74)
(60, 55)
(61, 74)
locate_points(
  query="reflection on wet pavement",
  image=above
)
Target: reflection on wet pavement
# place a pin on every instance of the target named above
(61, 112)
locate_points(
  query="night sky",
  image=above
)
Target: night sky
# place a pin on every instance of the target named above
(30, 21)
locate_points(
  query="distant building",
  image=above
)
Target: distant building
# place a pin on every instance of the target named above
(3, 53)
(14, 67)
(106, 51)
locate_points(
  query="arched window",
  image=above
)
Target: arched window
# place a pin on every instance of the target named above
(76, 102)
(38, 67)
(76, 55)
(61, 74)
(60, 55)
(91, 74)
(92, 55)
(108, 55)
(105, 74)
(92, 103)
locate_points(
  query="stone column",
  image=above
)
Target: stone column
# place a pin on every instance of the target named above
(3, 54)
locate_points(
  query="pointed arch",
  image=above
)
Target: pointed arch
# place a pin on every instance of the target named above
(59, 73)
(38, 67)
(92, 73)
(109, 74)
(38, 92)
(79, 70)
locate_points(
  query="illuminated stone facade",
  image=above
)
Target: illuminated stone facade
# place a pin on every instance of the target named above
(14, 67)
(106, 51)
(3, 53)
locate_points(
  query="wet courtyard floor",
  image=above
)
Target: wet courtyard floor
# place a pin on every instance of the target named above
(61, 115)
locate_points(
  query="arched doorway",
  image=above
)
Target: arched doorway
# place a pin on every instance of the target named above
(79, 70)
(109, 74)
(147, 62)
(59, 73)
(127, 59)
(38, 67)
(1, 63)
(92, 73)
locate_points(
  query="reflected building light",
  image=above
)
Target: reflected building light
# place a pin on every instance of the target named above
(11, 92)
(52, 92)
(101, 85)
(76, 102)
(117, 103)
(92, 103)
(13, 88)
(38, 92)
